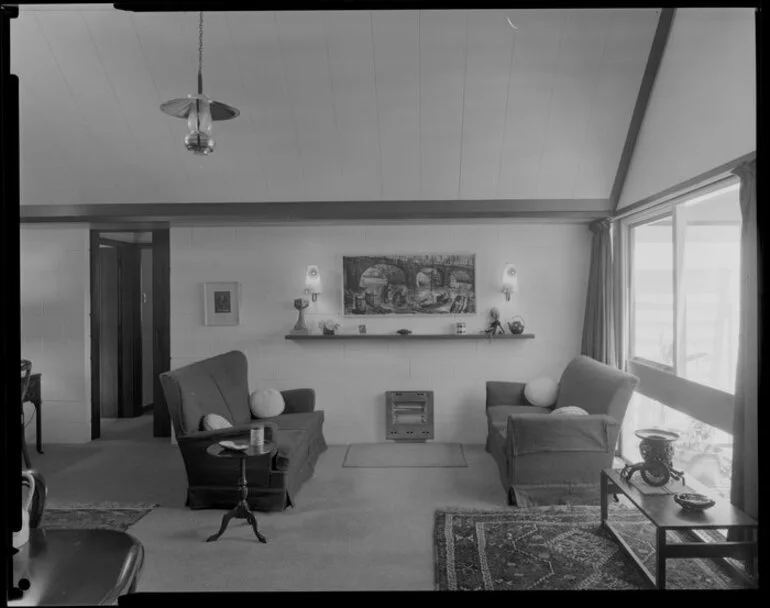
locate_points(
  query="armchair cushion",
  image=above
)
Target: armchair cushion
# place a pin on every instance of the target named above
(541, 391)
(214, 422)
(266, 403)
(569, 410)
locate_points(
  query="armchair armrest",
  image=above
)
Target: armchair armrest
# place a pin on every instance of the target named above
(533, 433)
(505, 393)
(299, 400)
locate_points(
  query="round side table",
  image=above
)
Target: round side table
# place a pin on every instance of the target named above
(241, 510)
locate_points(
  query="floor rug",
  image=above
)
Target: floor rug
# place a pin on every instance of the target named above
(557, 547)
(404, 455)
(98, 516)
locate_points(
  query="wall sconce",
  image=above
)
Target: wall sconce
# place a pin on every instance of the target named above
(510, 281)
(313, 282)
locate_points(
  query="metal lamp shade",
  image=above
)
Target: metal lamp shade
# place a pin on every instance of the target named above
(180, 108)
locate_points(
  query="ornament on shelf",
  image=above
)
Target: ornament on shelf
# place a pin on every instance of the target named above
(300, 327)
(516, 325)
(495, 327)
(329, 327)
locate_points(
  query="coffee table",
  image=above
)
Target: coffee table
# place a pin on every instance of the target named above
(665, 514)
(76, 567)
(242, 510)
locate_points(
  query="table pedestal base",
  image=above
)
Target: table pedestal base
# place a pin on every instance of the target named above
(241, 510)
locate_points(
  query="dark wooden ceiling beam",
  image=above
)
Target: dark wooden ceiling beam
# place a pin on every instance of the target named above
(642, 100)
(321, 211)
(336, 5)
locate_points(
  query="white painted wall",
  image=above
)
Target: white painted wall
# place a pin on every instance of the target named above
(350, 378)
(702, 112)
(55, 328)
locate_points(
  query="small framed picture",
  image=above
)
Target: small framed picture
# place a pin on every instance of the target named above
(221, 303)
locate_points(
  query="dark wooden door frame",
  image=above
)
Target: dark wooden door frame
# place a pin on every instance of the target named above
(161, 327)
(95, 287)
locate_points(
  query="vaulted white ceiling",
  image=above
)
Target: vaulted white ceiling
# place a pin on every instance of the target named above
(350, 105)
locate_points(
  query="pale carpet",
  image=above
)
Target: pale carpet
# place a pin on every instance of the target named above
(351, 529)
(402, 454)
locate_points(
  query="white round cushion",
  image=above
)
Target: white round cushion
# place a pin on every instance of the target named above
(215, 422)
(570, 410)
(541, 391)
(266, 403)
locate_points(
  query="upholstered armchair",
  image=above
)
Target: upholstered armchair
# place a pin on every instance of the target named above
(556, 459)
(219, 385)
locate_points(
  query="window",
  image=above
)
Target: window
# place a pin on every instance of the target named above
(711, 289)
(652, 291)
(681, 290)
(702, 451)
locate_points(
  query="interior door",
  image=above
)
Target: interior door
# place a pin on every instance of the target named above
(147, 362)
(107, 262)
(129, 331)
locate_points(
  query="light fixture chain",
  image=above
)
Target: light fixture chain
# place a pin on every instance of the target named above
(200, 44)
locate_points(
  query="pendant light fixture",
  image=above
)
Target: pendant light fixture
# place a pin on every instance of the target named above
(199, 110)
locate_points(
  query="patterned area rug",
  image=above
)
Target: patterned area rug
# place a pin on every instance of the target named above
(557, 547)
(102, 516)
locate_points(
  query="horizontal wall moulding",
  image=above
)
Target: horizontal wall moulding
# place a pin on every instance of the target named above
(320, 211)
(399, 337)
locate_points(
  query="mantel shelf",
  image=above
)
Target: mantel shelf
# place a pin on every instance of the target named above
(409, 337)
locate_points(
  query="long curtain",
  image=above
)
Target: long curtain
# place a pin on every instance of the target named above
(599, 332)
(745, 482)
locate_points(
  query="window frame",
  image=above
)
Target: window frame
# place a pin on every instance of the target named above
(659, 381)
(642, 220)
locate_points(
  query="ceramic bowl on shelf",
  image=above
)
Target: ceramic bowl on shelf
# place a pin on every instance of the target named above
(693, 502)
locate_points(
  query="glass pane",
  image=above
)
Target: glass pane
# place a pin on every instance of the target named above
(711, 289)
(703, 452)
(652, 284)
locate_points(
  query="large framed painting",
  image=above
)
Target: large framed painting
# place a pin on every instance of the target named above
(427, 284)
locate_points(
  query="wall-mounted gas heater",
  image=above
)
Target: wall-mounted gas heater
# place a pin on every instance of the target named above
(409, 415)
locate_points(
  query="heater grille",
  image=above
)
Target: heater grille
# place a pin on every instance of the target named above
(409, 415)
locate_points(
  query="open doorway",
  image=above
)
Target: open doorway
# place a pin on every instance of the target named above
(129, 332)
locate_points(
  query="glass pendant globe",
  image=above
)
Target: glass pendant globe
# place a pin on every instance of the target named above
(199, 139)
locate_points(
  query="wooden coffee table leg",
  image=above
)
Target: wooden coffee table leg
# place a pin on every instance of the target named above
(604, 491)
(660, 558)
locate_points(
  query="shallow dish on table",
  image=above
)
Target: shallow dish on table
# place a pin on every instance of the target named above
(233, 445)
(693, 502)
